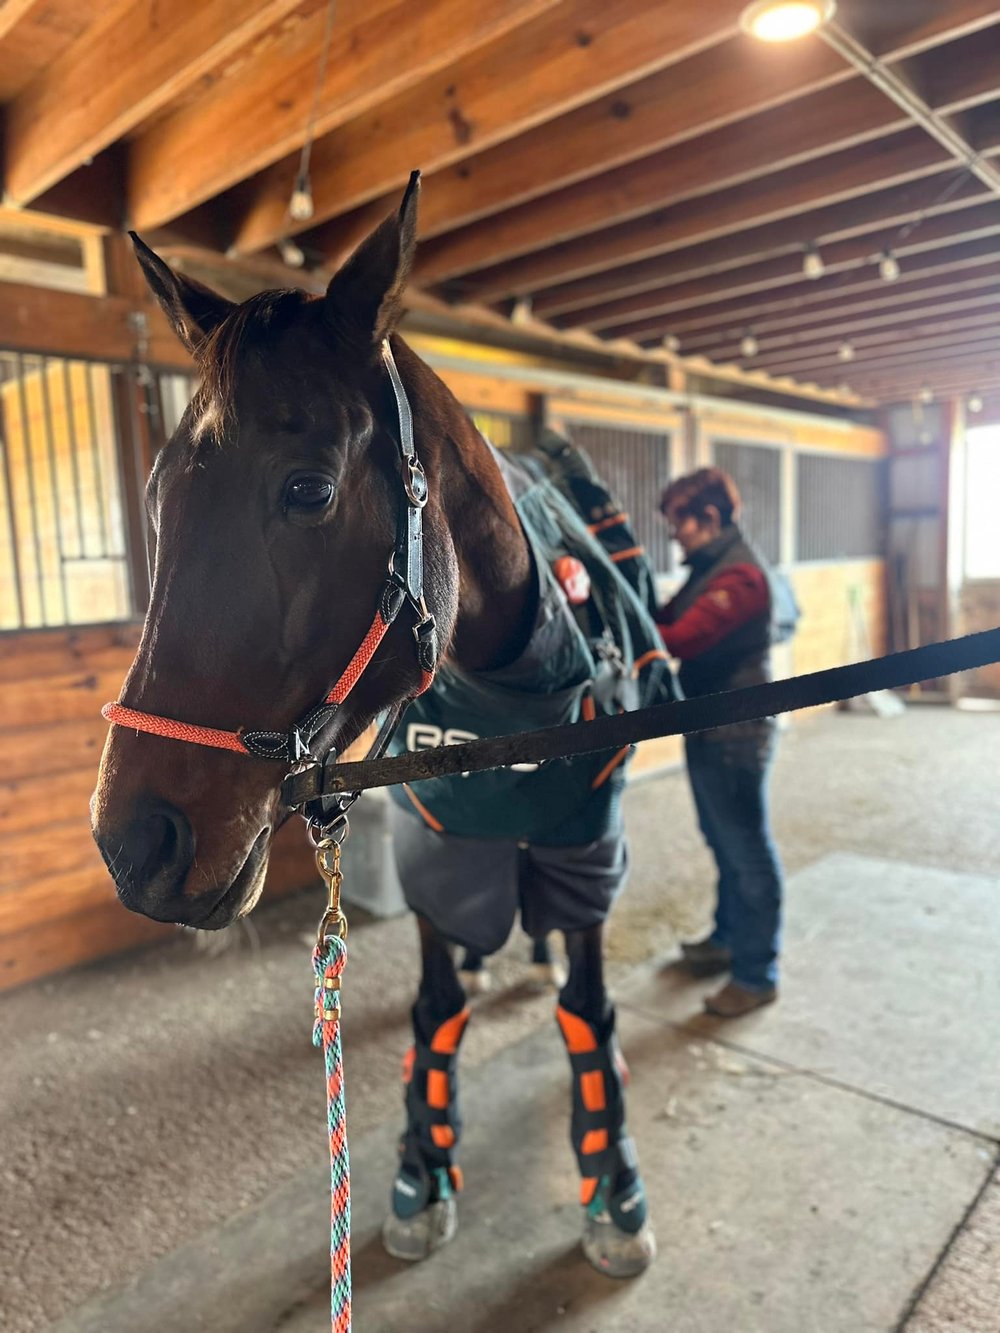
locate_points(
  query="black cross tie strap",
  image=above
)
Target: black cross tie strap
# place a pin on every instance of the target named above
(670, 719)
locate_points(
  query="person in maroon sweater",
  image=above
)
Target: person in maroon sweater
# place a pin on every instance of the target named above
(720, 628)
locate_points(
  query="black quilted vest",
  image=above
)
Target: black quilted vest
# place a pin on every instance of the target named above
(743, 657)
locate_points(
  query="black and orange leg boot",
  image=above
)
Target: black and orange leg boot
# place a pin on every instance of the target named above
(617, 1237)
(424, 1215)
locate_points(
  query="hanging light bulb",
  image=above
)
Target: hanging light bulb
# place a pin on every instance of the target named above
(812, 262)
(845, 352)
(975, 403)
(926, 394)
(888, 266)
(300, 206)
(749, 346)
(671, 343)
(291, 254)
(521, 313)
(785, 20)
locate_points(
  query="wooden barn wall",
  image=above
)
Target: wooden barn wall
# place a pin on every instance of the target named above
(57, 905)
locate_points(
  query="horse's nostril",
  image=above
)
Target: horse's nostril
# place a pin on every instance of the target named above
(150, 862)
(163, 840)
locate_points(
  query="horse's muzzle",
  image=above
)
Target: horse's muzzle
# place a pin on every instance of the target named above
(149, 859)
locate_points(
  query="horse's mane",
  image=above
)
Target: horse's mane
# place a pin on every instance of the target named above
(243, 330)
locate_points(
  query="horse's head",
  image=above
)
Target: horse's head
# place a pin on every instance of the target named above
(273, 511)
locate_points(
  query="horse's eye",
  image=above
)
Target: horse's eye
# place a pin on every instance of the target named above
(309, 491)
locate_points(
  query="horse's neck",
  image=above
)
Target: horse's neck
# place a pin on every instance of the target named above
(496, 582)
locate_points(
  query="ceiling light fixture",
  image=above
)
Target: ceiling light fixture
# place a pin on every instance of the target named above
(812, 262)
(975, 403)
(845, 352)
(785, 20)
(521, 312)
(926, 394)
(301, 206)
(291, 254)
(749, 346)
(888, 266)
(671, 343)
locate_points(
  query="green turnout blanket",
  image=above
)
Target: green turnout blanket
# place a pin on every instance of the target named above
(600, 657)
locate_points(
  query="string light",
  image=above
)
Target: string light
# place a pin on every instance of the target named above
(845, 352)
(812, 262)
(888, 266)
(301, 206)
(521, 313)
(926, 394)
(291, 254)
(785, 20)
(749, 346)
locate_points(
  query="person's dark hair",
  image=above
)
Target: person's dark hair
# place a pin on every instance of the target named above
(692, 495)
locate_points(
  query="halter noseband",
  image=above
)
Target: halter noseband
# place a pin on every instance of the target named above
(405, 584)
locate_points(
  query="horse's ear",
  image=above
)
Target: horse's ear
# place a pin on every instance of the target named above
(365, 298)
(193, 309)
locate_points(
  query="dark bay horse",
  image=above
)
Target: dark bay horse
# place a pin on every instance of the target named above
(272, 512)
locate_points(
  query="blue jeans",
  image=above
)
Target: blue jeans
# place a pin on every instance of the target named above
(729, 780)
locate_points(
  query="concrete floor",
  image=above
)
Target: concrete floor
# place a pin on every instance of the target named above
(825, 1165)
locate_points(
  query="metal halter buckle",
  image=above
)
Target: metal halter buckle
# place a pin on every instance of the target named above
(415, 483)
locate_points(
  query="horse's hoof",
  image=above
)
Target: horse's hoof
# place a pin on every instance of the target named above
(547, 976)
(414, 1238)
(615, 1252)
(476, 983)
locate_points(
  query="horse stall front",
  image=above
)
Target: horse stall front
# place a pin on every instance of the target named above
(79, 435)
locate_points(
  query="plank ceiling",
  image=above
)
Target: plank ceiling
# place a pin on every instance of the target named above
(638, 169)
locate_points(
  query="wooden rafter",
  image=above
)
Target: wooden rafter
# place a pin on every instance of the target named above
(257, 113)
(709, 333)
(824, 123)
(874, 326)
(579, 51)
(980, 255)
(684, 100)
(844, 258)
(118, 75)
(880, 211)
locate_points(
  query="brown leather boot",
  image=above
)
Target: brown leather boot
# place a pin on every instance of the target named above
(734, 1000)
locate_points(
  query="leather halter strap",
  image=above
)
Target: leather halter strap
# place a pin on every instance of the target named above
(404, 585)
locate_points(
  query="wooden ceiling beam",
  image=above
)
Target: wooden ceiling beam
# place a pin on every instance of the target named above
(691, 97)
(583, 50)
(738, 314)
(948, 384)
(12, 12)
(793, 319)
(894, 31)
(824, 123)
(890, 344)
(882, 209)
(124, 69)
(256, 112)
(772, 141)
(842, 177)
(974, 353)
(981, 221)
(858, 329)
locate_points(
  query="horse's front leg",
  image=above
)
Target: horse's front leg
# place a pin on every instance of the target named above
(424, 1215)
(617, 1237)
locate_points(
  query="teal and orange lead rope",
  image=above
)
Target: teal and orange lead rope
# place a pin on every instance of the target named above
(329, 958)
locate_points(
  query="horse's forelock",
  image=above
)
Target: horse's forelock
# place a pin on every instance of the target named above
(214, 402)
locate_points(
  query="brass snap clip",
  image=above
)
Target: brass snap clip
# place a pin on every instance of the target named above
(333, 922)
